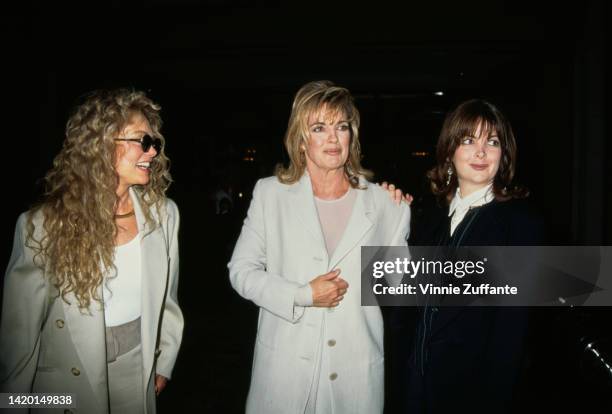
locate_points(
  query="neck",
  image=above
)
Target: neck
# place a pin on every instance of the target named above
(468, 188)
(124, 203)
(328, 185)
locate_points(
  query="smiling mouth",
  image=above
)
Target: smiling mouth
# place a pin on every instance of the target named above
(333, 152)
(145, 166)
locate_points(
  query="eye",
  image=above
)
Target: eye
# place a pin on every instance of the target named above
(467, 141)
(317, 128)
(343, 127)
(494, 142)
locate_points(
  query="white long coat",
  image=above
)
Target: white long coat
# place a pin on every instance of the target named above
(281, 248)
(49, 346)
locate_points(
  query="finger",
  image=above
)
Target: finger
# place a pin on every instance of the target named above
(391, 187)
(339, 298)
(409, 198)
(342, 284)
(384, 185)
(331, 275)
(334, 304)
(398, 195)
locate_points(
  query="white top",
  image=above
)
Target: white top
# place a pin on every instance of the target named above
(334, 216)
(460, 206)
(122, 293)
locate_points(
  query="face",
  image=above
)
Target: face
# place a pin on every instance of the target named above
(133, 165)
(327, 146)
(476, 160)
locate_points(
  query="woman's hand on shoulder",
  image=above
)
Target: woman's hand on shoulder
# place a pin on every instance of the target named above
(328, 289)
(396, 194)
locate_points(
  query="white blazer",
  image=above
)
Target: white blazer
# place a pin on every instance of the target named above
(47, 345)
(281, 248)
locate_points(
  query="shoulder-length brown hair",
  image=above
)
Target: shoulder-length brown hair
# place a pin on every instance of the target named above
(310, 99)
(463, 122)
(77, 245)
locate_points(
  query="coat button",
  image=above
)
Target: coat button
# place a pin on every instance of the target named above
(59, 323)
(331, 342)
(333, 376)
(75, 372)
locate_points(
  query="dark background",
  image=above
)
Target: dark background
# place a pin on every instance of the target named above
(225, 72)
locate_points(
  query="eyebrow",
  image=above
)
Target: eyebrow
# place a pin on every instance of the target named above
(323, 123)
(138, 132)
(489, 137)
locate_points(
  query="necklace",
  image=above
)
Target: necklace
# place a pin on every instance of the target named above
(120, 216)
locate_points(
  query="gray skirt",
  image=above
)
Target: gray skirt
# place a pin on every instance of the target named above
(124, 362)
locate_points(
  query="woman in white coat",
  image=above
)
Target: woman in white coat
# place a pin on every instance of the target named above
(298, 258)
(90, 294)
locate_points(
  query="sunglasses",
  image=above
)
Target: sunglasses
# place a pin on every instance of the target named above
(146, 142)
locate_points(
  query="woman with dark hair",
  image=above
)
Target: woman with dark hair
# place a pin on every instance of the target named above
(467, 359)
(90, 294)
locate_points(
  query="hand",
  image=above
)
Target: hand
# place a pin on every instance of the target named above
(396, 194)
(160, 383)
(328, 289)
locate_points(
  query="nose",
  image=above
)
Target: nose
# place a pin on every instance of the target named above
(332, 136)
(152, 151)
(481, 149)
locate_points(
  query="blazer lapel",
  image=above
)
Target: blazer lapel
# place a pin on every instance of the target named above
(154, 255)
(357, 226)
(303, 204)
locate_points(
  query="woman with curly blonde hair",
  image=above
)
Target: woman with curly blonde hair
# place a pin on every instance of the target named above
(90, 294)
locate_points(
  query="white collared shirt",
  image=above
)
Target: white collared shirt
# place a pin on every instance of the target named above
(460, 206)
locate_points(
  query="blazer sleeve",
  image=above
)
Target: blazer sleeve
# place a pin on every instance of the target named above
(247, 267)
(24, 309)
(171, 331)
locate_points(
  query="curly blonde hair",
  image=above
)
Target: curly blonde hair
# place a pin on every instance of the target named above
(310, 99)
(77, 245)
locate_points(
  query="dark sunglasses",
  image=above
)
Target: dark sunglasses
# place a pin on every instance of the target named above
(145, 142)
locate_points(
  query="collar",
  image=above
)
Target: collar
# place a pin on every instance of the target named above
(476, 199)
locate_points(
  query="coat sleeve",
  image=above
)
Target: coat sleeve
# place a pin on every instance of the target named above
(247, 267)
(399, 239)
(171, 331)
(24, 309)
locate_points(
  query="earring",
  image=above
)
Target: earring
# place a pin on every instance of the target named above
(449, 172)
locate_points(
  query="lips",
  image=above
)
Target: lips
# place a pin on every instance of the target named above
(145, 165)
(333, 152)
(479, 167)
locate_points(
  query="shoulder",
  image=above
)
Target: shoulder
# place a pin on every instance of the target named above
(270, 186)
(34, 217)
(272, 183)
(515, 211)
(382, 201)
(171, 207)
(523, 225)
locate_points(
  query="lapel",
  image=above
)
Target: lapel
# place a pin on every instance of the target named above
(358, 225)
(302, 202)
(154, 254)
